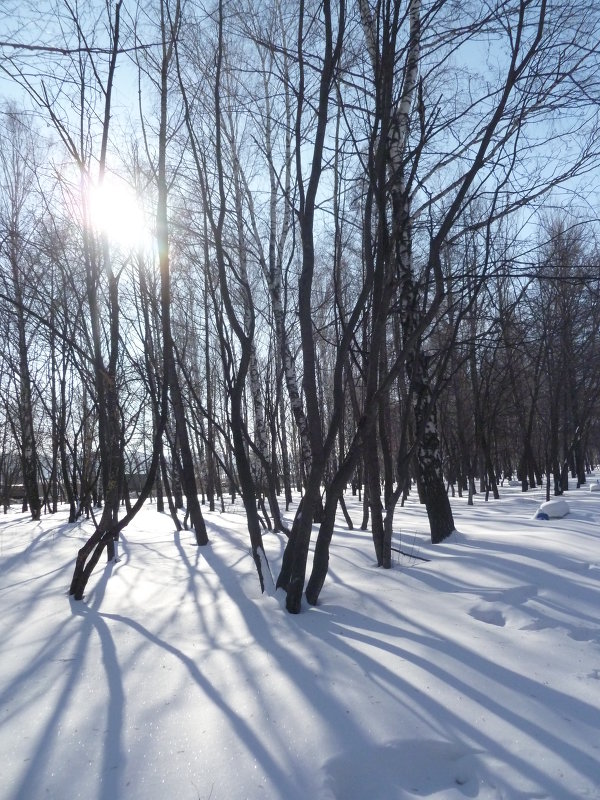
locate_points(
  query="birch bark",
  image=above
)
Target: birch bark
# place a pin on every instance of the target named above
(428, 454)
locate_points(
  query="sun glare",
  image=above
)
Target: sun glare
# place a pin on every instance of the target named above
(115, 210)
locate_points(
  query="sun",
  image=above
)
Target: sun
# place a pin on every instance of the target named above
(115, 210)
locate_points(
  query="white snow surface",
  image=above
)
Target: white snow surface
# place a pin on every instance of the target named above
(475, 674)
(555, 509)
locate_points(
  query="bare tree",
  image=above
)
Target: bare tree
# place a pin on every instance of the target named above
(17, 181)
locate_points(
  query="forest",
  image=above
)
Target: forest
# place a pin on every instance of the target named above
(255, 249)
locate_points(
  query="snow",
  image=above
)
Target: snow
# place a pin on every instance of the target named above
(553, 509)
(475, 674)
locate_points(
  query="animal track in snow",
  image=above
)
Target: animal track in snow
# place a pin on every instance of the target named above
(503, 607)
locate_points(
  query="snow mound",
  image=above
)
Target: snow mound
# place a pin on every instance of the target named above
(553, 509)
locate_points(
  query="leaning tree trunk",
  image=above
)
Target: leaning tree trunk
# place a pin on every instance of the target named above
(273, 271)
(293, 571)
(252, 369)
(244, 332)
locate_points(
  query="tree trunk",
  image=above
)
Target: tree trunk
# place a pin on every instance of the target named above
(188, 478)
(433, 490)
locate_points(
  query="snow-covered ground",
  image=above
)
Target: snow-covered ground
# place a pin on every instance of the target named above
(475, 674)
